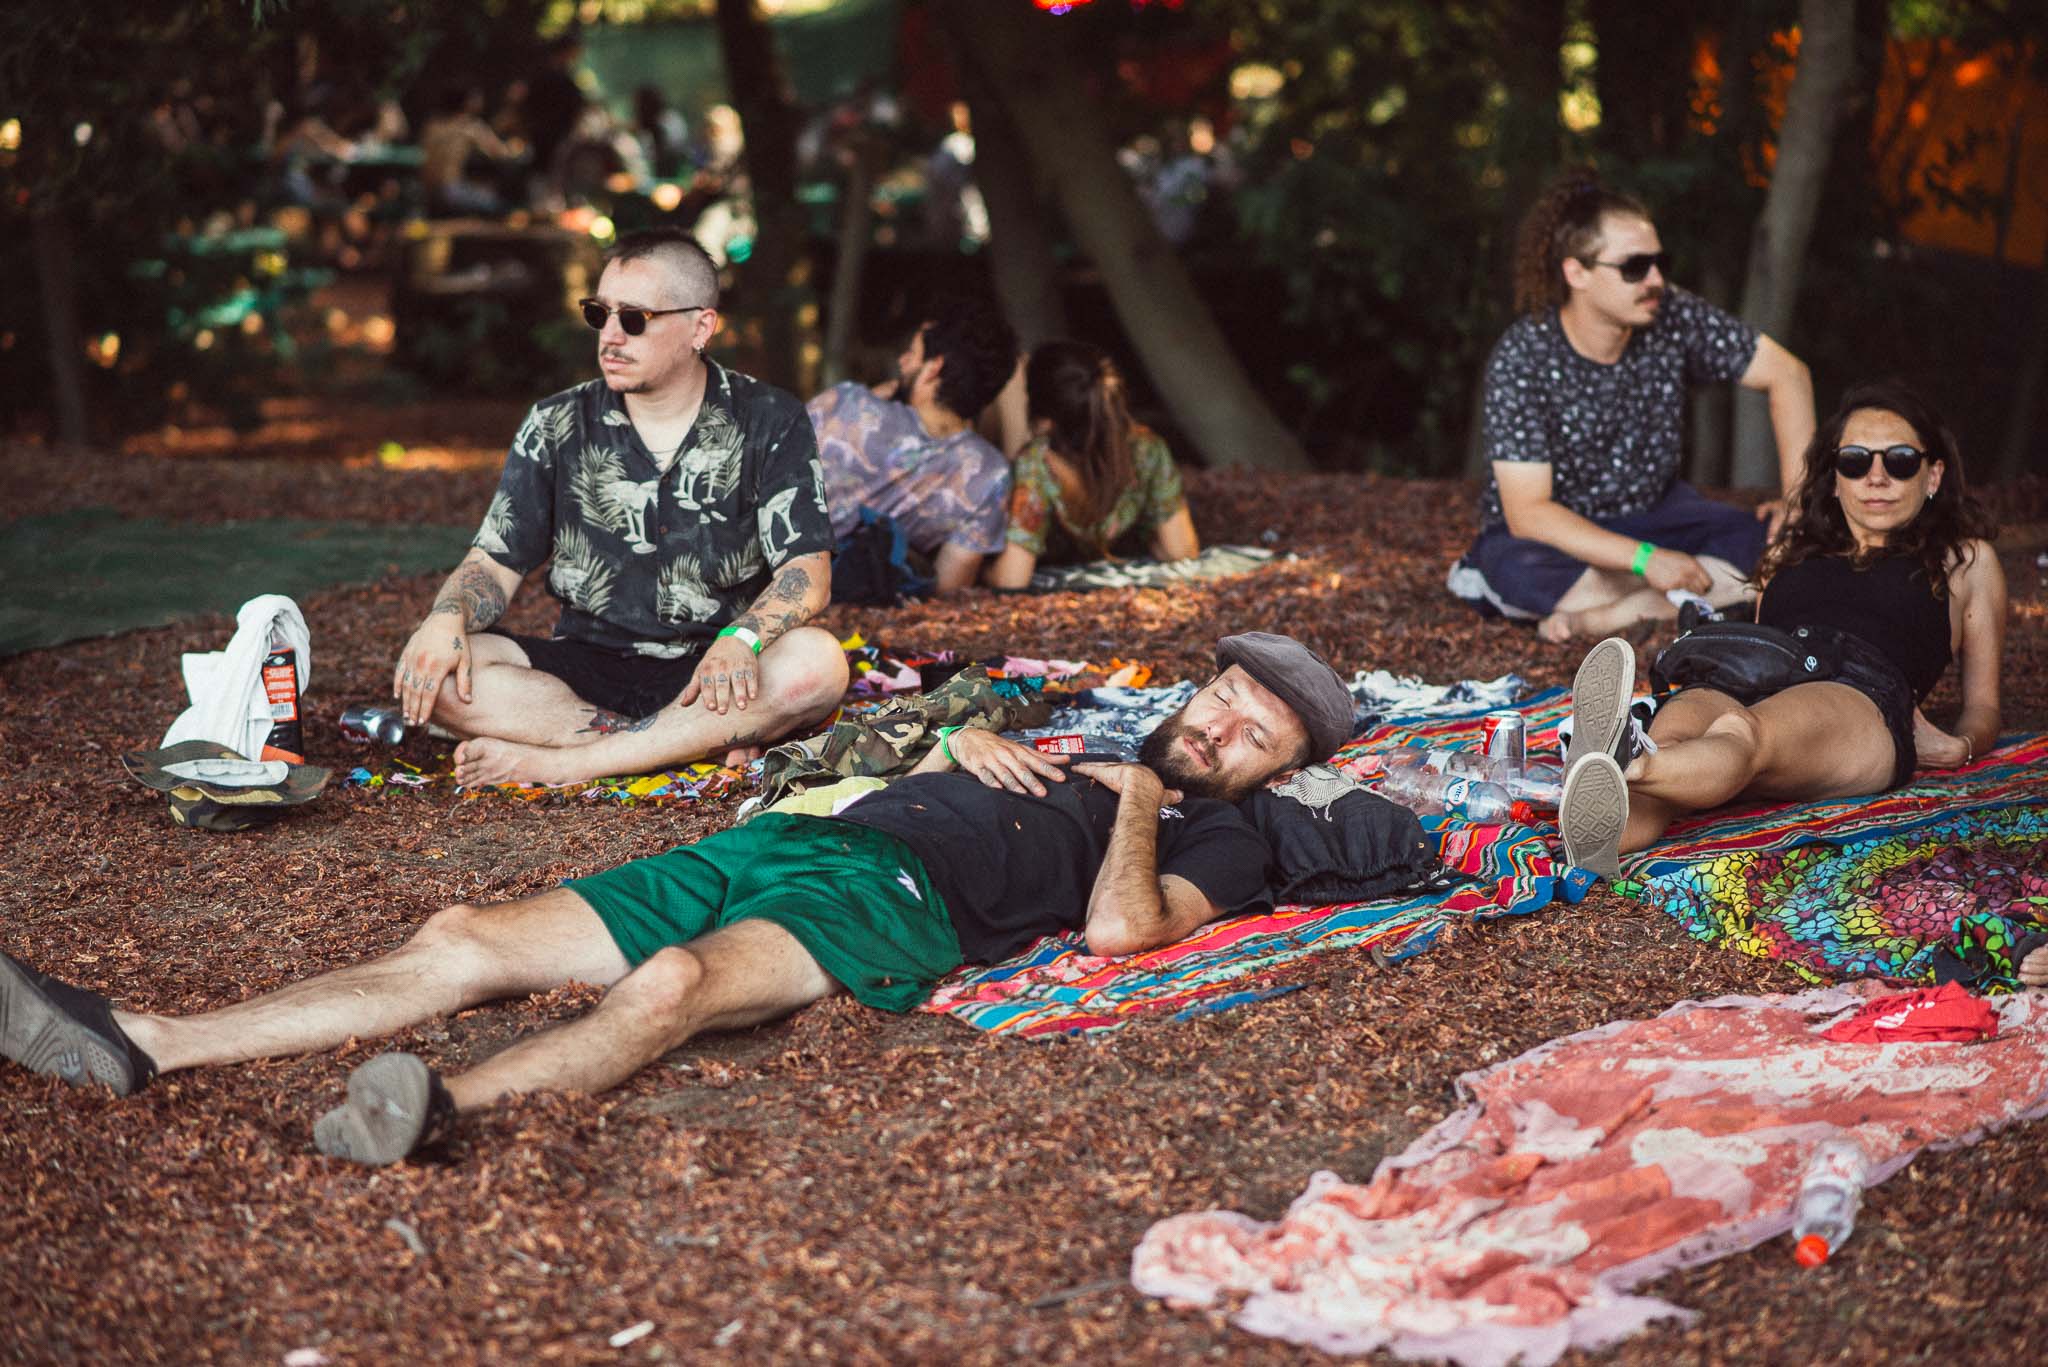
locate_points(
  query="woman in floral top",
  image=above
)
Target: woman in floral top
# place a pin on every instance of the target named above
(1091, 481)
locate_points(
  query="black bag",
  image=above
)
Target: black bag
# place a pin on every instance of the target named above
(1330, 840)
(874, 565)
(1747, 660)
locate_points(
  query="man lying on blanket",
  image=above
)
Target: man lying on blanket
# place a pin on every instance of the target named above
(987, 846)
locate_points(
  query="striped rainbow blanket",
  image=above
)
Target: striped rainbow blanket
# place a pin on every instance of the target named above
(1056, 987)
(1942, 878)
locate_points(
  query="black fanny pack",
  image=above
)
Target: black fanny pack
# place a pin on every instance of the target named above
(1746, 660)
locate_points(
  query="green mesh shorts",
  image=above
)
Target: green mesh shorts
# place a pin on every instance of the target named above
(855, 898)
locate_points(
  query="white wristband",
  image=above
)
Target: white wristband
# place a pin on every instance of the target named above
(746, 636)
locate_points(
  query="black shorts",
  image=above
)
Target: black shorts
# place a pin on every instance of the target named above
(620, 681)
(1865, 669)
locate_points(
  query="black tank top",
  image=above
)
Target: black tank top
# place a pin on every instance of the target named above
(1887, 602)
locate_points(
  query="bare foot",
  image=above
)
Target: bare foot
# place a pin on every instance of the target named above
(1558, 627)
(486, 759)
(740, 756)
(2034, 968)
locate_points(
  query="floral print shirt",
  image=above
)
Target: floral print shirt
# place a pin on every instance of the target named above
(937, 491)
(1041, 523)
(649, 561)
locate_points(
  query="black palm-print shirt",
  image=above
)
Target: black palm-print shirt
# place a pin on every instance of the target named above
(649, 562)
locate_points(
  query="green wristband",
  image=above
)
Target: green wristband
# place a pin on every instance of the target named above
(1641, 564)
(946, 734)
(747, 636)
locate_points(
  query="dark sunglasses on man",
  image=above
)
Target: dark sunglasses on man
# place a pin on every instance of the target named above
(1900, 462)
(1634, 268)
(632, 321)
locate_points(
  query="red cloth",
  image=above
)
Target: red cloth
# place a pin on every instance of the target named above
(1948, 1012)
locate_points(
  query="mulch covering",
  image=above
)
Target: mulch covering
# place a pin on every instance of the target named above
(843, 1186)
(1946, 874)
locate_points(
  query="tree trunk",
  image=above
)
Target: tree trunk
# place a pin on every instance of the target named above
(1180, 344)
(776, 272)
(843, 309)
(1531, 36)
(2020, 424)
(1777, 251)
(60, 326)
(1019, 237)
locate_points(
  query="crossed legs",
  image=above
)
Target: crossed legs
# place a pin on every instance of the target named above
(1606, 602)
(1814, 740)
(527, 725)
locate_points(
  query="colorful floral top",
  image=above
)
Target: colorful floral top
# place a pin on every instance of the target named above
(1041, 523)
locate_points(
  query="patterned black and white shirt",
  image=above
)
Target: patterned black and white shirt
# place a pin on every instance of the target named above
(1611, 434)
(650, 562)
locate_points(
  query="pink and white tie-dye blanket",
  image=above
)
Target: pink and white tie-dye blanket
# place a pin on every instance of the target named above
(1518, 1227)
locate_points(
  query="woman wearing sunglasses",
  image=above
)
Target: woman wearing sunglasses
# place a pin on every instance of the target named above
(1884, 577)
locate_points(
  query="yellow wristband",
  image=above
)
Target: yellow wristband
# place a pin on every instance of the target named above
(1644, 550)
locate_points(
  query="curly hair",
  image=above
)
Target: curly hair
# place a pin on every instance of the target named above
(1563, 224)
(1937, 536)
(979, 348)
(1076, 388)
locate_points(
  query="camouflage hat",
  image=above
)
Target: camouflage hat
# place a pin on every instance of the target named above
(215, 772)
(190, 807)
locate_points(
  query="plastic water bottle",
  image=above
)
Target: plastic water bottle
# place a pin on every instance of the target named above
(1539, 784)
(1829, 1196)
(1422, 789)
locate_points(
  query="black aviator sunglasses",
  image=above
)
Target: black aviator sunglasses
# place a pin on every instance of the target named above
(632, 321)
(1900, 462)
(1634, 268)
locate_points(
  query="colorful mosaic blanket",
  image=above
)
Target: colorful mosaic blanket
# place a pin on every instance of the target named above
(1518, 1228)
(1057, 987)
(1940, 880)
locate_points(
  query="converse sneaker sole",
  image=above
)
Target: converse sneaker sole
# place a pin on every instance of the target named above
(1592, 813)
(1600, 694)
(39, 1035)
(384, 1116)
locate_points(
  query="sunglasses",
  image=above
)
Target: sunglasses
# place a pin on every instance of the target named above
(632, 321)
(1900, 462)
(1634, 268)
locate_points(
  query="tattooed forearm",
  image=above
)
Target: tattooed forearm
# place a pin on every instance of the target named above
(472, 595)
(606, 723)
(782, 606)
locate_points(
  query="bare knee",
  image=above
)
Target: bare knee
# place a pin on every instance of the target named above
(810, 672)
(1744, 729)
(662, 987)
(451, 927)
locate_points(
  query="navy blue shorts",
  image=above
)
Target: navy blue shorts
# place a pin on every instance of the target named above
(1512, 576)
(620, 681)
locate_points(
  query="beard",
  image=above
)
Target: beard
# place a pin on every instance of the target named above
(1162, 753)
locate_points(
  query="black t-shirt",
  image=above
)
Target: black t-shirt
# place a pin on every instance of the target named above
(1013, 867)
(1609, 433)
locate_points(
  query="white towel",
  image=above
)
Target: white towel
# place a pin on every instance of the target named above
(229, 706)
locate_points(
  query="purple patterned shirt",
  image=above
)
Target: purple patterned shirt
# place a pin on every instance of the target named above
(878, 455)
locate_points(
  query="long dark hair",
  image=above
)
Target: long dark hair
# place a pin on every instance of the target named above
(1936, 537)
(1077, 389)
(1563, 224)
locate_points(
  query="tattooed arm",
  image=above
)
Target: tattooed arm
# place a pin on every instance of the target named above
(729, 674)
(472, 598)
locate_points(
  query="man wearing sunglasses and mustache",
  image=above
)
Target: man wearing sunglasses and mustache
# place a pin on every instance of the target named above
(680, 509)
(1585, 526)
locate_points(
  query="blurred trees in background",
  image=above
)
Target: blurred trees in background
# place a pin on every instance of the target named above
(1865, 178)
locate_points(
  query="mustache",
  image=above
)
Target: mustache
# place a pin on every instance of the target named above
(1649, 296)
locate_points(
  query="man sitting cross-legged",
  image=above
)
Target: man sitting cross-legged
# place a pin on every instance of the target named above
(680, 507)
(986, 847)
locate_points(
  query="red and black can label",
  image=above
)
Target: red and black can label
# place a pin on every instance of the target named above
(281, 692)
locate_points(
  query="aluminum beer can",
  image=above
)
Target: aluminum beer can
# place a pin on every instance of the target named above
(1060, 745)
(364, 722)
(1507, 737)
